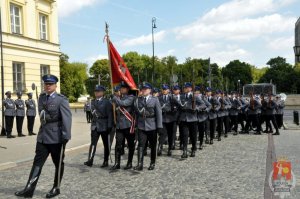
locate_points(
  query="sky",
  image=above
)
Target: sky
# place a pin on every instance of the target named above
(252, 31)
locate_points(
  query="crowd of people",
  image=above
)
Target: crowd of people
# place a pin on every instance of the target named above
(16, 109)
(149, 118)
(157, 117)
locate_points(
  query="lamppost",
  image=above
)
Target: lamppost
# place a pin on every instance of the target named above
(2, 76)
(297, 54)
(239, 83)
(153, 27)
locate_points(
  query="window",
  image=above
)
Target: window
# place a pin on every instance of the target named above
(15, 19)
(45, 69)
(18, 76)
(43, 27)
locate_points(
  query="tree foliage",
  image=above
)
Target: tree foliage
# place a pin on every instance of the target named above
(72, 75)
(237, 71)
(281, 74)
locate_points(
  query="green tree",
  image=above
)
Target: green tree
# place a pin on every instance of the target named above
(99, 68)
(237, 70)
(282, 74)
(135, 65)
(257, 73)
(73, 77)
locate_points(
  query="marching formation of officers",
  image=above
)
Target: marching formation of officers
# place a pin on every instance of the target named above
(16, 108)
(151, 118)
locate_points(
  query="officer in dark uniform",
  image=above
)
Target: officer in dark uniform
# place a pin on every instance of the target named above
(242, 116)
(54, 133)
(87, 110)
(234, 112)
(270, 114)
(30, 113)
(212, 115)
(176, 97)
(203, 107)
(169, 119)
(252, 118)
(101, 125)
(279, 111)
(226, 113)
(188, 119)
(10, 112)
(149, 121)
(20, 113)
(125, 124)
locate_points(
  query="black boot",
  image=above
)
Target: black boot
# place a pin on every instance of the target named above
(128, 166)
(277, 133)
(211, 141)
(32, 133)
(193, 154)
(159, 151)
(169, 152)
(117, 161)
(28, 191)
(104, 164)
(139, 166)
(184, 154)
(21, 135)
(152, 166)
(90, 161)
(53, 192)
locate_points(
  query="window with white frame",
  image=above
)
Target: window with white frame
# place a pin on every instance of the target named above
(43, 27)
(18, 76)
(15, 19)
(45, 69)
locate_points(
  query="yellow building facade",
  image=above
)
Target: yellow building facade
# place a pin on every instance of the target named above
(30, 43)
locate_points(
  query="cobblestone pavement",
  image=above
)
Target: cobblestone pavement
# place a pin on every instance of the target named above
(232, 168)
(288, 145)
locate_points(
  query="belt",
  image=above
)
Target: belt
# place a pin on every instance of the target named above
(149, 116)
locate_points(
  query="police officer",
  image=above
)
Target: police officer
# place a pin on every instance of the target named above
(101, 125)
(30, 113)
(234, 112)
(242, 116)
(169, 119)
(87, 110)
(20, 113)
(270, 114)
(203, 107)
(212, 116)
(9, 113)
(149, 121)
(252, 117)
(188, 119)
(176, 96)
(125, 122)
(54, 133)
(279, 111)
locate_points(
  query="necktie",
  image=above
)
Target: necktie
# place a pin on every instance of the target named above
(145, 100)
(186, 96)
(48, 97)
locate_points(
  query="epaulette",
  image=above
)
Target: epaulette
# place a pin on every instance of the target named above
(61, 95)
(42, 94)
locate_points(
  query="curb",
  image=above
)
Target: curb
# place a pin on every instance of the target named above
(9, 165)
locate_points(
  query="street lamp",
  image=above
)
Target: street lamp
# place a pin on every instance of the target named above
(297, 54)
(239, 83)
(153, 27)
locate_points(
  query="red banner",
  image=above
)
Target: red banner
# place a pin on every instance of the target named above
(119, 69)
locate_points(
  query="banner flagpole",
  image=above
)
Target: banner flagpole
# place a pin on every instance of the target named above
(112, 133)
